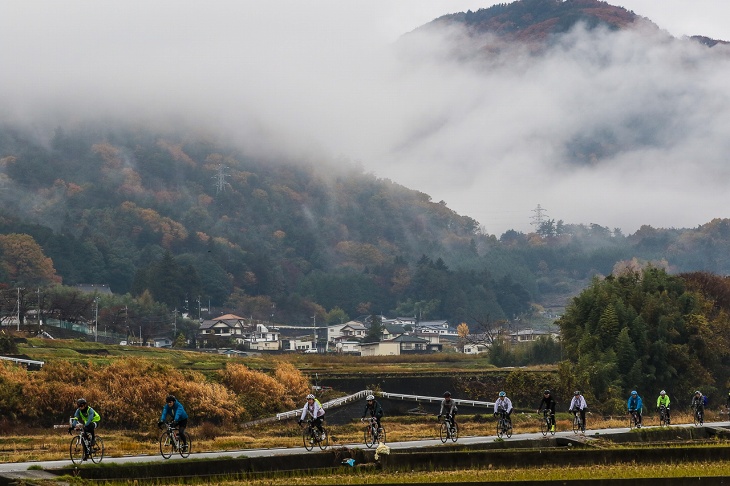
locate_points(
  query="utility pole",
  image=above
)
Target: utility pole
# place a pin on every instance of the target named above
(19, 289)
(314, 328)
(96, 319)
(38, 291)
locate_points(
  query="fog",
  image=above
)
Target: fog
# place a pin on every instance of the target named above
(616, 129)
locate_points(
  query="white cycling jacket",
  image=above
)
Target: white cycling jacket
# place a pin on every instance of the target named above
(578, 402)
(503, 403)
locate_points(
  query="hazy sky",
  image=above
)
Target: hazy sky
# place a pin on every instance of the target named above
(329, 78)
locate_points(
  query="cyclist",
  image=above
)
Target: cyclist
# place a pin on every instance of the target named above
(87, 418)
(663, 399)
(503, 404)
(373, 407)
(176, 411)
(549, 402)
(698, 404)
(578, 404)
(449, 406)
(315, 411)
(635, 405)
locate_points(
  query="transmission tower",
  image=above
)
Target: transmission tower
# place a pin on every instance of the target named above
(539, 217)
(220, 179)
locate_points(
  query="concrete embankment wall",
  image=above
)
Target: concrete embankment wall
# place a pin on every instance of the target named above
(553, 452)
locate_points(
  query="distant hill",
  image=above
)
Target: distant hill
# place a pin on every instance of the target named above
(537, 21)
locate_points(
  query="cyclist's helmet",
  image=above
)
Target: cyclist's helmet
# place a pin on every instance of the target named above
(447, 394)
(502, 394)
(698, 393)
(310, 397)
(662, 392)
(546, 392)
(170, 398)
(633, 392)
(81, 401)
(576, 393)
(368, 398)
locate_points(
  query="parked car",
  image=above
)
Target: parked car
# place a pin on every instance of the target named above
(311, 351)
(122, 343)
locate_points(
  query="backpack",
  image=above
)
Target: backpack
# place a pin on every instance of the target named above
(705, 400)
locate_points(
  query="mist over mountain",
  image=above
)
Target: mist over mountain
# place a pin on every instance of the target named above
(309, 184)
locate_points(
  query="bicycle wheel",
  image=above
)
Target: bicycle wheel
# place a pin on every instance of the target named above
(544, 427)
(323, 443)
(500, 428)
(455, 432)
(185, 450)
(702, 418)
(381, 435)
(444, 432)
(576, 424)
(167, 445)
(76, 450)
(97, 450)
(369, 437)
(308, 437)
(508, 427)
(632, 421)
(697, 418)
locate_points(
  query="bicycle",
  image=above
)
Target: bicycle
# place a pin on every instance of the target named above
(504, 427)
(170, 442)
(546, 424)
(81, 448)
(663, 416)
(448, 430)
(698, 416)
(311, 436)
(578, 425)
(373, 433)
(634, 419)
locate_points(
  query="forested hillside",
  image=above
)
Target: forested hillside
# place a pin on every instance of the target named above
(186, 217)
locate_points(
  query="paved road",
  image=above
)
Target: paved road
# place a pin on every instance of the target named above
(283, 451)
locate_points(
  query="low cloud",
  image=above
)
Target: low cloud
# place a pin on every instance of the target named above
(613, 128)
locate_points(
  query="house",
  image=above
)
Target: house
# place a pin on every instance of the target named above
(411, 344)
(351, 330)
(102, 289)
(382, 348)
(225, 326)
(348, 347)
(436, 327)
(475, 348)
(298, 344)
(527, 335)
(390, 331)
(262, 339)
(161, 342)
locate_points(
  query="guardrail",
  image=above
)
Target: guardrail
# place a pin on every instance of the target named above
(422, 398)
(337, 402)
(24, 361)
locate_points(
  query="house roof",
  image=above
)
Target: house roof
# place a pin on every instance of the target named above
(228, 317)
(405, 338)
(95, 288)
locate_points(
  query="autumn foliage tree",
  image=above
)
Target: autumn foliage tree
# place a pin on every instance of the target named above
(24, 263)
